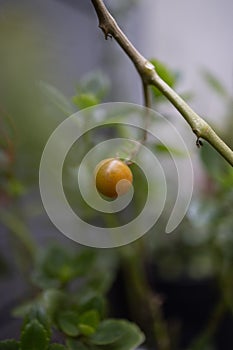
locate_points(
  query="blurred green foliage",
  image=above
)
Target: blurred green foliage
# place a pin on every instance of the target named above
(71, 300)
(72, 284)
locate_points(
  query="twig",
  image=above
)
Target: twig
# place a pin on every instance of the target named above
(149, 76)
(147, 104)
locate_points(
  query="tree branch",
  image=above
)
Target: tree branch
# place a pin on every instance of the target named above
(149, 76)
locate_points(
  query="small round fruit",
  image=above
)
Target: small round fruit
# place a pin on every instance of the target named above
(113, 177)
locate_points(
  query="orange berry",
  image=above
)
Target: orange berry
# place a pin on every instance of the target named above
(113, 177)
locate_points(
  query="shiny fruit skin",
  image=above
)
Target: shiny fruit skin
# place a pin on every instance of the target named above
(108, 173)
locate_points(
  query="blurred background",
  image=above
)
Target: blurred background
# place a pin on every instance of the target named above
(48, 51)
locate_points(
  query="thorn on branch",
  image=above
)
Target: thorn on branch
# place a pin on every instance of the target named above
(106, 32)
(199, 143)
(107, 35)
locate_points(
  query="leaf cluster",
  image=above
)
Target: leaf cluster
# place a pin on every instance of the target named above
(70, 308)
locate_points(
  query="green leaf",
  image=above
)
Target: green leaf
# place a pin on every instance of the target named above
(108, 332)
(52, 300)
(88, 322)
(165, 73)
(118, 335)
(86, 330)
(57, 98)
(83, 101)
(37, 312)
(68, 323)
(34, 336)
(90, 318)
(214, 83)
(131, 339)
(73, 344)
(56, 346)
(57, 266)
(9, 344)
(53, 268)
(90, 301)
(57, 263)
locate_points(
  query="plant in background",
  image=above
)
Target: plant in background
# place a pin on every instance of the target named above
(69, 307)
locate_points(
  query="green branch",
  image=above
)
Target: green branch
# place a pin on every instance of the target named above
(149, 76)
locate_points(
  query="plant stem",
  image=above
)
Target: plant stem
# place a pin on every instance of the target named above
(144, 304)
(147, 104)
(149, 76)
